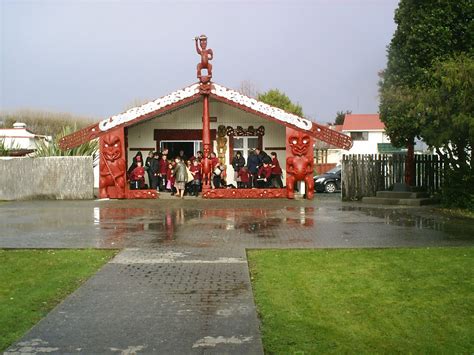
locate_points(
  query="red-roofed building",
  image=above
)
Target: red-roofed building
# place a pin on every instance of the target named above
(367, 132)
(362, 122)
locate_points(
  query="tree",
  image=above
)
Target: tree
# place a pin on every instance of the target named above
(446, 111)
(248, 88)
(278, 99)
(427, 31)
(340, 116)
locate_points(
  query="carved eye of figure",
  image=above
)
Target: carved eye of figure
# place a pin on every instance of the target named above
(294, 141)
(305, 141)
(106, 145)
(115, 145)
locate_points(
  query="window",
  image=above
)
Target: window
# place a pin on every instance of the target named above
(320, 156)
(360, 136)
(245, 145)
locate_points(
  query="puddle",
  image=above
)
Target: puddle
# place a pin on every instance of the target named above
(460, 229)
(162, 226)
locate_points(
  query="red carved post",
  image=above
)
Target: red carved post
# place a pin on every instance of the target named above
(299, 162)
(205, 88)
(112, 165)
(206, 143)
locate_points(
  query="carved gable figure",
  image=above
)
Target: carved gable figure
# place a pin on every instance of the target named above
(112, 167)
(299, 167)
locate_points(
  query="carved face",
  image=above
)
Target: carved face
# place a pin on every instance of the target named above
(111, 148)
(299, 144)
(203, 43)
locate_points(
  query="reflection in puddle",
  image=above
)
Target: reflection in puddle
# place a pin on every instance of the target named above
(119, 223)
(460, 228)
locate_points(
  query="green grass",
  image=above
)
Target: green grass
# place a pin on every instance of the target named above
(365, 301)
(457, 212)
(32, 282)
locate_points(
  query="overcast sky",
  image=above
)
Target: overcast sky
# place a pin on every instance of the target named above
(96, 57)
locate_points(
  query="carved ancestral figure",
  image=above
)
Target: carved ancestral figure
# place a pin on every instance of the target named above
(221, 143)
(299, 167)
(206, 167)
(206, 56)
(112, 167)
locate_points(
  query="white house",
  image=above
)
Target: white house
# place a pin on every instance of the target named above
(368, 134)
(19, 138)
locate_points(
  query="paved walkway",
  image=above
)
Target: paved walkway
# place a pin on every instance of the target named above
(181, 284)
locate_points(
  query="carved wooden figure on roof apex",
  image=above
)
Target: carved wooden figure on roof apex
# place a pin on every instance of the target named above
(206, 55)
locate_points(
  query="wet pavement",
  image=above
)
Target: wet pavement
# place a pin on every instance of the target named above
(181, 283)
(228, 224)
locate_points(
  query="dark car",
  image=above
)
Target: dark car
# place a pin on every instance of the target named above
(330, 181)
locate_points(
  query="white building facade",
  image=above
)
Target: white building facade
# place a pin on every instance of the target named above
(20, 138)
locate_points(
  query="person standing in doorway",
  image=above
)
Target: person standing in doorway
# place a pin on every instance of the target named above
(182, 156)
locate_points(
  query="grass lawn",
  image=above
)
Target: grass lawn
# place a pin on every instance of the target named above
(456, 212)
(32, 282)
(365, 300)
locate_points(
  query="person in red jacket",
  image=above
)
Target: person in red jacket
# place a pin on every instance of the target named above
(264, 175)
(170, 179)
(137, 176)
(276, 171)
(196, 172)
(162, 172)
(244, 176)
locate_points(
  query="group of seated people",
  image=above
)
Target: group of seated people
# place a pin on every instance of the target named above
(181, 175)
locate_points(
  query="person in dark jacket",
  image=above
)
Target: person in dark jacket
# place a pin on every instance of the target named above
(147, 166)
(154, 168)
(262, 157)
(252, 164)
(238, 162)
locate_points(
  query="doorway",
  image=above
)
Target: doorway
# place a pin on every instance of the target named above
(190, 148)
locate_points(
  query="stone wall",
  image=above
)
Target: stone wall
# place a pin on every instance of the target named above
(56, 178)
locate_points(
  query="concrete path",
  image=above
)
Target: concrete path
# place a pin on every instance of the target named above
(155, 302)
(181, 283)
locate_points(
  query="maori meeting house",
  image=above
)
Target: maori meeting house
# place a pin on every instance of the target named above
(208, 117)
